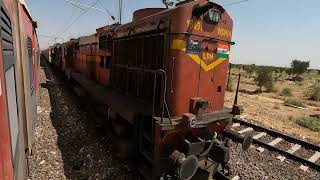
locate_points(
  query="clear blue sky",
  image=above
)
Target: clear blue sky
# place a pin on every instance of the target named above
(267, 32)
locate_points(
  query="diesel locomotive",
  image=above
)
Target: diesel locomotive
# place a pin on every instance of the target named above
(157, 84)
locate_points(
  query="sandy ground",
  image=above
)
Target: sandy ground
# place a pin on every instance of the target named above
(269, 108)
(66, 145)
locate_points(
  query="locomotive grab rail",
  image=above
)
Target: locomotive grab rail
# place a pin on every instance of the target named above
(164, 103)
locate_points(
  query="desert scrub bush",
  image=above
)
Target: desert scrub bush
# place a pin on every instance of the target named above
(286, 92)
(315, 92)
(298, 68)
(272, 89)
(314, 104)
(295, 102)
(311, 123)
(264, 78)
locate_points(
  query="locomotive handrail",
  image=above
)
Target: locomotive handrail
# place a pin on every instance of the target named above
(155, 72)
(164, 103)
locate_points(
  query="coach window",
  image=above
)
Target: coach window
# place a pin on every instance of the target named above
(109, 43)
(77, 46)
(102, 61)
(108, 62)
(105, 62)
(29, 44)
(103, 42)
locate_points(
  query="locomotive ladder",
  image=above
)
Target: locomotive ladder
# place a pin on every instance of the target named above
(147, 126)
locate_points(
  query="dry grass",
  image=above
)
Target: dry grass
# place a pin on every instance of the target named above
(269, 109)
(295, 102)
(315, 92)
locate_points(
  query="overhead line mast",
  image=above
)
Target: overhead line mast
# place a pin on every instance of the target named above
(120, 11)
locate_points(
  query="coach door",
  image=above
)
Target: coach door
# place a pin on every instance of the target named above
(9, 78)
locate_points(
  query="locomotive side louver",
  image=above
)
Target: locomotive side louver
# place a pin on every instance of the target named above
(6, 40)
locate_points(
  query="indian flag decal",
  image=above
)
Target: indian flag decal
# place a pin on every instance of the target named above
(223, 51)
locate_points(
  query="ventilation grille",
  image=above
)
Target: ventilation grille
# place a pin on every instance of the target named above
(29, 46)
(6, 39)
(6, 32)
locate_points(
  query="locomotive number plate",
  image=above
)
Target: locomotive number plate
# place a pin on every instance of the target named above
(194, 46)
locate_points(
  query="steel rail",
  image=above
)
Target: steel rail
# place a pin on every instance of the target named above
(278, 134)
(285, 137)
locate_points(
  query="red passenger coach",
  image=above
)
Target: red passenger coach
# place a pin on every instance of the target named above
(19, 66)
(158, 85)
(6, 170)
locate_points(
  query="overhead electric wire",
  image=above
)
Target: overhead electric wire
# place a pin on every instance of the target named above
(238, 2)
(70, 25)
(89, 6)
(68, 21)
(112, 17)
(78, 6)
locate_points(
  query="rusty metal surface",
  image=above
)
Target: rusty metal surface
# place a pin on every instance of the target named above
(126, 106)
(192, 71)
(142, 13)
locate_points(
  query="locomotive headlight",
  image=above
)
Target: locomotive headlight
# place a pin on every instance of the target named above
(213, 16)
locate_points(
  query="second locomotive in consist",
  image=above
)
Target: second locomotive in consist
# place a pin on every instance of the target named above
(158, 85)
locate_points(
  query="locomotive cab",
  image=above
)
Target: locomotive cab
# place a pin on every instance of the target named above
(197, 68)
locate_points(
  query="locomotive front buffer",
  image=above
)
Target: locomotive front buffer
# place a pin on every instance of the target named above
(192, 147)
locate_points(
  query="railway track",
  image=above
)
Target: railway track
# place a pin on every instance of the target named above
(287, 146)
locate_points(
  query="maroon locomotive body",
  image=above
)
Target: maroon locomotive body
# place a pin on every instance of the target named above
(160, 80)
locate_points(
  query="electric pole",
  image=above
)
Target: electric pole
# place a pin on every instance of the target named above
(120, 11)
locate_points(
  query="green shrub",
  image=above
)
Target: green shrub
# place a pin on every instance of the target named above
(286, 92)
(264, 78)
(299, 67)
(297, 78)
(294, 102)
(270, 88)
(315, 92)
(309, 122)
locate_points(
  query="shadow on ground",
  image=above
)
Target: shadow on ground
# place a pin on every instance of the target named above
(86, 151)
